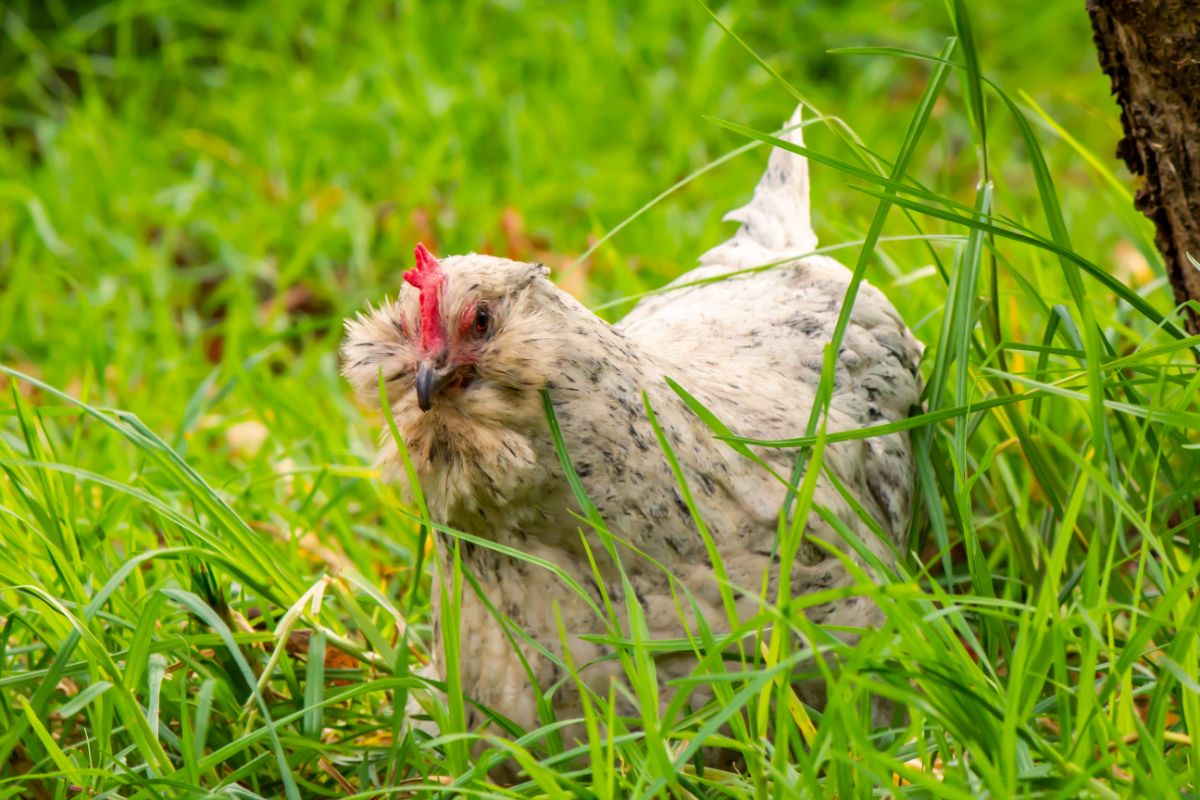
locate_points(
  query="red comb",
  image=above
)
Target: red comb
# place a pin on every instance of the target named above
(428, 277)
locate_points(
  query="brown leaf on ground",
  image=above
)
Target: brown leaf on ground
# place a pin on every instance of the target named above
(335, 657)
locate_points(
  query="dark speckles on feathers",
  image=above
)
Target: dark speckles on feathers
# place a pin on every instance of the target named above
(637, 439)
(807, 324)
(439, 451)
(771, 554)
(680, 505)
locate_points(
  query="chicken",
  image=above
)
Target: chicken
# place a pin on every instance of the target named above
(470, 343)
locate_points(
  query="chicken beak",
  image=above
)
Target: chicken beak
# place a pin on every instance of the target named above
(430, 381)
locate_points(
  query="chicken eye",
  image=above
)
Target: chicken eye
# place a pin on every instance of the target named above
(483, 320)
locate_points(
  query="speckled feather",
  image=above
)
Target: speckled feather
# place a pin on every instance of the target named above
(748, 347)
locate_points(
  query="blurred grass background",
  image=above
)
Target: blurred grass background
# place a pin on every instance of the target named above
(193, 196)
(187, 186)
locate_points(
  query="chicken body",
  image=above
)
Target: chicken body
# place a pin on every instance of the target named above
(748, 347)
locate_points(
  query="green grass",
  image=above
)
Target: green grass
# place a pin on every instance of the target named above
(192, 197)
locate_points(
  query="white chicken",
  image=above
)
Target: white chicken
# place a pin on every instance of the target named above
(471, 342)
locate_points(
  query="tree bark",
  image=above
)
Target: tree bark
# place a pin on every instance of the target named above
(1150, 49)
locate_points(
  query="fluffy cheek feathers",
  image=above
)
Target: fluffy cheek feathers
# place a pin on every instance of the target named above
(377, 340)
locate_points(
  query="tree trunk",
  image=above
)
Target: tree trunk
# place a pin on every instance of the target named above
(1150, 49)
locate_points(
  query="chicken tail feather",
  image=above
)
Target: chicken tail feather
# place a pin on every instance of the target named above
(778, 217)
